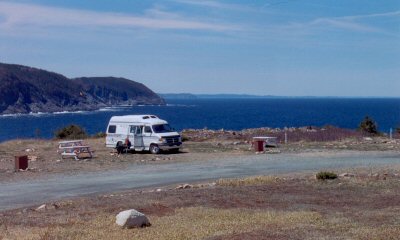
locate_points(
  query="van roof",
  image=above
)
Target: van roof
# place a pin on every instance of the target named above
(148, 118)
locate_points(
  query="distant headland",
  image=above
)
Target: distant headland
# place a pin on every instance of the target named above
(25, 89)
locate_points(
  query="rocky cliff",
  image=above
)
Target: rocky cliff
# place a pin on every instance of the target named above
(24, 89)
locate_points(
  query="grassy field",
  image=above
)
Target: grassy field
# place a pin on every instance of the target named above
(264, 207)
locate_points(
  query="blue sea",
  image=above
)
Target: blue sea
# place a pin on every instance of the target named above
(229, 114)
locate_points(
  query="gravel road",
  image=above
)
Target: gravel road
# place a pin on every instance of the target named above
(22, 194)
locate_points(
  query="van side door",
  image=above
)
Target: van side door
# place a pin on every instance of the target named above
(138, 137)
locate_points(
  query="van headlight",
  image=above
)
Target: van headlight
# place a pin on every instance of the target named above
(163, 140)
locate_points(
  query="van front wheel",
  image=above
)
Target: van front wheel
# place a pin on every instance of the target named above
(154, 149)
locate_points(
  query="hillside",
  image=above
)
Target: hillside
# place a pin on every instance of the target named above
(24, 89)
(114, 91)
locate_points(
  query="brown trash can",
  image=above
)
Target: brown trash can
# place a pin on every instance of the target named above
(21, 162)
(259, 145)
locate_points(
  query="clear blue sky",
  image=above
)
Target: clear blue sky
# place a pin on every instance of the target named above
(270, 47)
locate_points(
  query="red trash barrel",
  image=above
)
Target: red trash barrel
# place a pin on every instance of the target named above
(21, 162)
(259, 145)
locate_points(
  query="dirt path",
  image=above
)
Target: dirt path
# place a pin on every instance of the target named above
(19, 194)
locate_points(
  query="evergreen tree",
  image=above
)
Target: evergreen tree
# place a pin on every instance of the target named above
(368, 125)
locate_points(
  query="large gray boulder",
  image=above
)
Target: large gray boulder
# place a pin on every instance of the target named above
(132, 219)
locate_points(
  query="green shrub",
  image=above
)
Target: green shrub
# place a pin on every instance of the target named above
(184, 138)
(326, 175)
(71, 132)
(368, 125)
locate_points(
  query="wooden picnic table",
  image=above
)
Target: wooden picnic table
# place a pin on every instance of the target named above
(74, 149)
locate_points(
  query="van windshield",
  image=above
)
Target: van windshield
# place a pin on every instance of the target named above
(162, 128)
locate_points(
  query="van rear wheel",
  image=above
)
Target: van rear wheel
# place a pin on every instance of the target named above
(154, 149)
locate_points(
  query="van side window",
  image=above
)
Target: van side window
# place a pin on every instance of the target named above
(147, 129)
(112, 129)
(132, 130)
(138, 130)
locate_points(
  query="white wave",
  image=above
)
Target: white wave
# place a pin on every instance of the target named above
(180, 105)
(105, 109)
(13, 115)
(109, 109)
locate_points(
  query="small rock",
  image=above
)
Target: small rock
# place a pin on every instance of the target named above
(132, 219)
(368, 139)
(41, 207)
(158, 190)
(32, 158)
(184, 186)
(346, 175)
(375, 175)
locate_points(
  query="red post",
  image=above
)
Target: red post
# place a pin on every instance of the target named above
(21, 162)
(259, 145)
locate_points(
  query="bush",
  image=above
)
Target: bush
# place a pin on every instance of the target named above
(326, 175)
(185, 138)
(368, 125)
(70, 132)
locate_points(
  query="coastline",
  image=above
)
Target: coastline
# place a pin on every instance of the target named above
(99, 109)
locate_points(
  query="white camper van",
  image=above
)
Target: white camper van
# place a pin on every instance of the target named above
(145, 133)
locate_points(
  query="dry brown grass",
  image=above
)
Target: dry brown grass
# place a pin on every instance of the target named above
(210, 223)
(247, 181)
(262, 207)
(377, 232)
(186, 223)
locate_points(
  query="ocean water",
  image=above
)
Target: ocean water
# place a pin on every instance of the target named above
(229, 114)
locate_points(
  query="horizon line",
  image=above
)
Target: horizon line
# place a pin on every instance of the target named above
(276, 96)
